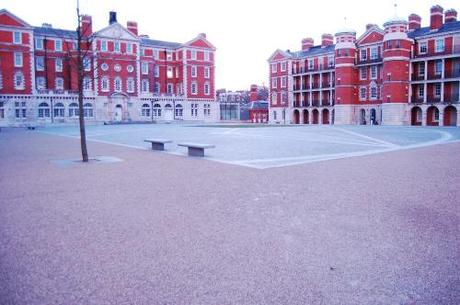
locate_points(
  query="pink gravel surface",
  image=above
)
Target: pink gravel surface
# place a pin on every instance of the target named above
(165, 229)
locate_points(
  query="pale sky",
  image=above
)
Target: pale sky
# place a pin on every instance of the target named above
(244, 32)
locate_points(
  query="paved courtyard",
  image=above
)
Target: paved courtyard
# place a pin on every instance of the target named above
(377, 221)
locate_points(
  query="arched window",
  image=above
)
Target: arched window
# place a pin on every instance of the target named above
(117, 84)
(168, 107)
(130, 85)
(19, 81)
(105, 84)
(43, 110)
(145, 85)
(156, 110)
(59, 83)
(179, 110)
(40, 83)
(145, 110)
(88, 110)
(58, 110)
(73, 110)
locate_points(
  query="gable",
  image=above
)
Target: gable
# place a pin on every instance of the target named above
(6, 18)
(116, 31)
(278, 55)
(200, 42)
(371, 36)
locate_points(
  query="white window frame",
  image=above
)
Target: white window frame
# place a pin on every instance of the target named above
(104, 47)
(169, 56)
(207, 72)
(194, 88)
(18, 59)
(440, 45)
(193, 54)
(169, 88)
(58, 64)
(58, 45)
(283, 66)
(437, 90)
(145, 85)
(421, 91)
(274, 82)
(40, 63)
(363, 73)
(40, 83)
(373, 92)
(374, 53)
(423, 47)
(87, 64)
(17, 85)
(129, 48)
(59, 83)
(117, 84)
(169, 72)
(206, 56)
(130, 85)
(361, 53)
(438, 64)
(274, 67)
(43, 110)
(311, 64)
(116, 47)
(362, 93)
(88, 110)
(59, 110)
(17, 37)
(421, 69)
(105, 84)
(374, 72)
(38, 43)
(145, 68)
(87, 83)
(206, 88)
(283, 82)
(194, 71)
(331, 61)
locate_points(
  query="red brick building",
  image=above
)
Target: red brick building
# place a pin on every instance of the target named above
(129, 77)
(403, 74)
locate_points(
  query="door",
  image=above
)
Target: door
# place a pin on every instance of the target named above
(118, 114)
(168, 112)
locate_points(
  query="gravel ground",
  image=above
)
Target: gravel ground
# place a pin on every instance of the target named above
(171, 230)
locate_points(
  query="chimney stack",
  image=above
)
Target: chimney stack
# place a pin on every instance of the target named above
(112, 17)
(132, 27)
(370, 26)
(202, 35)
(253, 93)
(415, 22)
(450, 16)
(307, 43)
(327, 40)
(86, 26)
(436, 17)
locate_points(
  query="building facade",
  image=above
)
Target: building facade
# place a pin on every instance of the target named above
(403, 74)
(128, 77)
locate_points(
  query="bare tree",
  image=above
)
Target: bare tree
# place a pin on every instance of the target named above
(80, 79)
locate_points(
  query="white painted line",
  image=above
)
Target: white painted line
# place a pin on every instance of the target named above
(389, 144)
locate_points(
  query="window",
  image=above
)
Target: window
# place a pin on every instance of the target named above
(130, 85)
(373, 93)
(116, 47)
(193, 54)
(1, 80)
(274, 66)
(194, 110)
(39, 63)
(104, 45)
(17, 37)
(58, 45)
(157, 71)
(40, 82)
(105, 84)
(117, 84)
(422, 47)
(362, 93)
(374, 72)
(437, 90)
(439, 45)
(58, 110)
(194, 88)
(374, 53)
(39, 43)
(17, 59)
(330, 60)
(129, 48)
(284, 97)
(389, 44)
(421, 91)
(88, 110)
(104, 67)
(58, 64)
(283, 66)
(206, 88)
(145, 85)
(169, 88)
(87, 83)
(169, 55)
(59, 83)
(179, 110)
(145, 68)
(274, 115)
(207, 72)
(73, 110)
(438, 67)
(87, 64)
(194, 71)
(207, 109)
(274, 100)
(363, 73)
(169, 72)
(398, 44)
(156, 54)
(145, 110)
(206, 55)
(20, 110)
(363, 55)
(421, 69)
(130, 68)
(157, 110)
(310, 64)
(19, 81)
(283, 81)
(157, 88)
(43, 110)
(274, 82)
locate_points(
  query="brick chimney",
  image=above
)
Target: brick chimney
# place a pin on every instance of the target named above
(86, 25)
(415, 22)
(450, 16)
(112, 17)
(253, 93)
(327, 40)
(132, 27)
(436, 17)
(202, 35)
(307, 43)
(370, 26)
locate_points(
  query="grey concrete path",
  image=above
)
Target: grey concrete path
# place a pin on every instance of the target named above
(166, 229)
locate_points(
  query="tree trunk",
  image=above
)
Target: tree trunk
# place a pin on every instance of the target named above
(80, 68)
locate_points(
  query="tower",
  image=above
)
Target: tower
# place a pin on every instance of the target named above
(345, 77)
(396, 63)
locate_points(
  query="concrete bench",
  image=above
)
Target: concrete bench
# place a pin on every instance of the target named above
(195, 149)
(158, 144)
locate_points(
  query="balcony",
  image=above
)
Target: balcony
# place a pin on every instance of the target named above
(454, 99)
(417, 77)
(432, 76)
(417, 100)
(315, 103)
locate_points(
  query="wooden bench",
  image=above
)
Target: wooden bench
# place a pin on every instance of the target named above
(158, 144)
(195, 149)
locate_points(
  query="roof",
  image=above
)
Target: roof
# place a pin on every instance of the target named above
(314, 51)
(159, 43)
(257, 105)
(446, 27)
(47, 31)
